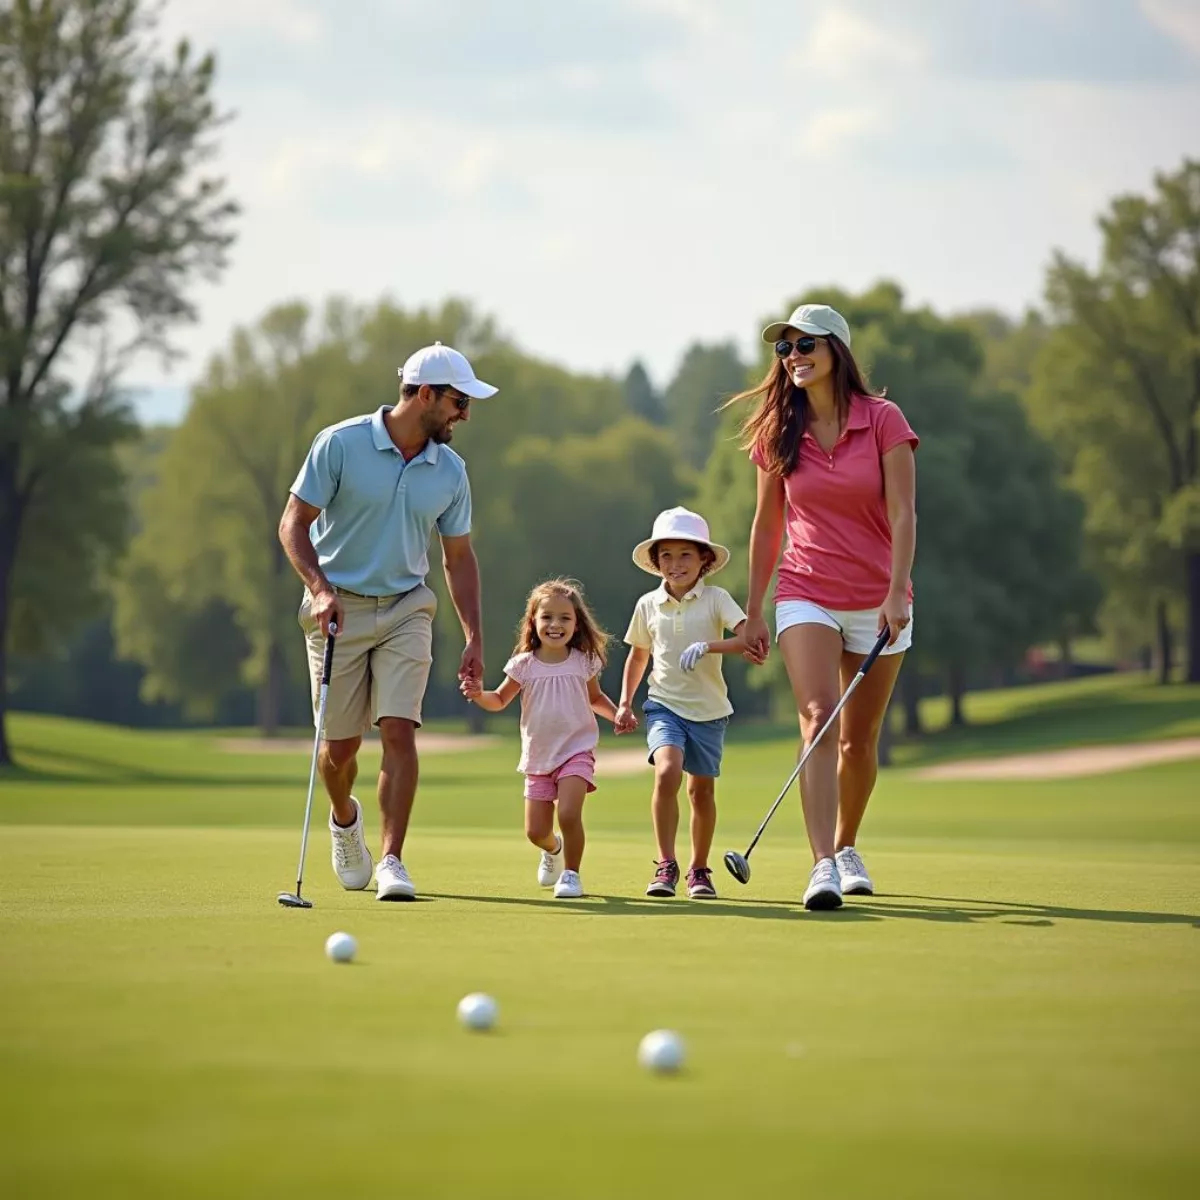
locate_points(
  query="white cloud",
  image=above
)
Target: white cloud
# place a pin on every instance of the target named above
(290, 20)
(828, 133)
(845, 45)
(1179, 18)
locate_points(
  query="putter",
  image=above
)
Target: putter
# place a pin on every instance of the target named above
(295, 899)
(737, 864)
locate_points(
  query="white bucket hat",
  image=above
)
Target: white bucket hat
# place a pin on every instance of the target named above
(678, 525)
(812, 318)
(438, 364)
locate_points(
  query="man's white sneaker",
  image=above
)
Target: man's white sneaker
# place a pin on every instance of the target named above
(824, 890)
(853, 875)
(551, 865)
(351, 859)
(569, 886)
(392, 881)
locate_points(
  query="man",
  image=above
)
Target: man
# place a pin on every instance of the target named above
(356, 528)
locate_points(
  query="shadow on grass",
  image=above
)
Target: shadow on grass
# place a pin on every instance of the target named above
(931, 908)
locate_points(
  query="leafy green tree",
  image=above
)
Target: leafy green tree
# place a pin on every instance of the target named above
(997, 565)
(106, 219)
(707, 377)
(1117, 387)
(641, 396)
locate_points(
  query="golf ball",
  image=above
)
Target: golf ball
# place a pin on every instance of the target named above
(478, 1011)
(341, 947)
(661, 1051)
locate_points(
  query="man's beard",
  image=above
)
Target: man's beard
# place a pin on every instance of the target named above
(439, 432)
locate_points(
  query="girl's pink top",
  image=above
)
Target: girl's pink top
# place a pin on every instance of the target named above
(556, 715)
(839, 539)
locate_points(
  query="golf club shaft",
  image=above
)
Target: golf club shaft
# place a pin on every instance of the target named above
(880, 642)
(326, 668)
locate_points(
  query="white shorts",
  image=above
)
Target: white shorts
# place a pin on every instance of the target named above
(859, 628)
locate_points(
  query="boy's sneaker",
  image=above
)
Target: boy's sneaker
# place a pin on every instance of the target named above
(665, 878)
(551, 866)
(569, 886)
(351, 859)
(824, 889)
(700, 884)
(853, 875)
(392, 881)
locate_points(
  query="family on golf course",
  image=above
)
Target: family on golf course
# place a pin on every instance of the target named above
(835, 471)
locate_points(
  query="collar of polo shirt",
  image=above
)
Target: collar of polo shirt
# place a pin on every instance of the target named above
(693, 593)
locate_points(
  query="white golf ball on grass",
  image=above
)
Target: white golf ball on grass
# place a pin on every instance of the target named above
(478, 1011)
(661, 1051)
(341, 947)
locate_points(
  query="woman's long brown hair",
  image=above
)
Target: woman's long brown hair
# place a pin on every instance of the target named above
(779, 421)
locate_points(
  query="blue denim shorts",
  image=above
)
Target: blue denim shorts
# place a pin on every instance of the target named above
(702, 742)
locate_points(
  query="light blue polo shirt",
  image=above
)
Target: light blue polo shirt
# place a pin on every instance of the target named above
(378, 511)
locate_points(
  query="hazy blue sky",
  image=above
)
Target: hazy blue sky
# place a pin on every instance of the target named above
(612, 180)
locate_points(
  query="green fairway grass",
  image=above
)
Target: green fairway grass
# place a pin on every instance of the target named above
(1015, 1014)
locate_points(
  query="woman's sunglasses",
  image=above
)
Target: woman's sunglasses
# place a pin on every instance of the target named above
(805, 345)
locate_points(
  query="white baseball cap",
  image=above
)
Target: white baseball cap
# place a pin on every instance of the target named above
(678, 525)
(812, 318)
(438, 364)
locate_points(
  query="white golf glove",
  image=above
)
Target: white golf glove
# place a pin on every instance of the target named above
(692, 655)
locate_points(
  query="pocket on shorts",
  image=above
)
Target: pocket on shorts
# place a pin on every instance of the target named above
(304, 616)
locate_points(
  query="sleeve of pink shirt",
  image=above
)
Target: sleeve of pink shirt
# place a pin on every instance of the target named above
(517, 668)
(592, 666)
(892, 428)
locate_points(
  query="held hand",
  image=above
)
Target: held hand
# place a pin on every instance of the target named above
(326, 608)
(757, 639)
(692, 655)
(625, 721)
(471, 687)
(471, 666)
(895, 615)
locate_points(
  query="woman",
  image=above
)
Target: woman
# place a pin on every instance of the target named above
(836, 466)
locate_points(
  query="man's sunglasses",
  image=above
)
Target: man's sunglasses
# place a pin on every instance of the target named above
(462, 403)
(805, 345)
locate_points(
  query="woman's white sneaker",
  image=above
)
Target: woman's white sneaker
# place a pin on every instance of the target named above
(824, 890)
(550, 866)
(569, 886)
(392, 881)
(853, 875)
(351, 859)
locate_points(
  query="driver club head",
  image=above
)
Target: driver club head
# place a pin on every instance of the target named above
(291, 900)
(738, 865)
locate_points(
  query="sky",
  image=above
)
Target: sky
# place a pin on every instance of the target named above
(614, 180)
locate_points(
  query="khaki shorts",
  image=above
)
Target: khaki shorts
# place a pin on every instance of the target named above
(381, 660)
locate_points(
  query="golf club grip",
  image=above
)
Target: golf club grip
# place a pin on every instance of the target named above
(327, 663)
(880, 642)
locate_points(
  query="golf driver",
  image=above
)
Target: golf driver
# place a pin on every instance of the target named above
(737, 864)
(294, 899)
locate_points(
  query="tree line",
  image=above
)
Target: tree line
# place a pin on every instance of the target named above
(140, 576)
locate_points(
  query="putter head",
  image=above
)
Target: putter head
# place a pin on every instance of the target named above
(738, 865)
(291, 900)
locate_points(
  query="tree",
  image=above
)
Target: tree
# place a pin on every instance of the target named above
(1118, 389)
(998, 539)
(707, 377)
(641, 398)
(106, 219)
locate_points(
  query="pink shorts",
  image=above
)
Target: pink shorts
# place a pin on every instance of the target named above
(545, 787)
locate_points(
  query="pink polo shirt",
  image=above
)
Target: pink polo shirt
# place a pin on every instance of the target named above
(839, 540)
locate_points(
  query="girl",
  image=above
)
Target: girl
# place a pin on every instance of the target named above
(560, 651)
(835, 465)
(682, 624)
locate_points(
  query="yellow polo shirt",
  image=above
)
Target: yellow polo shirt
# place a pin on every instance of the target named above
(666, 627)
